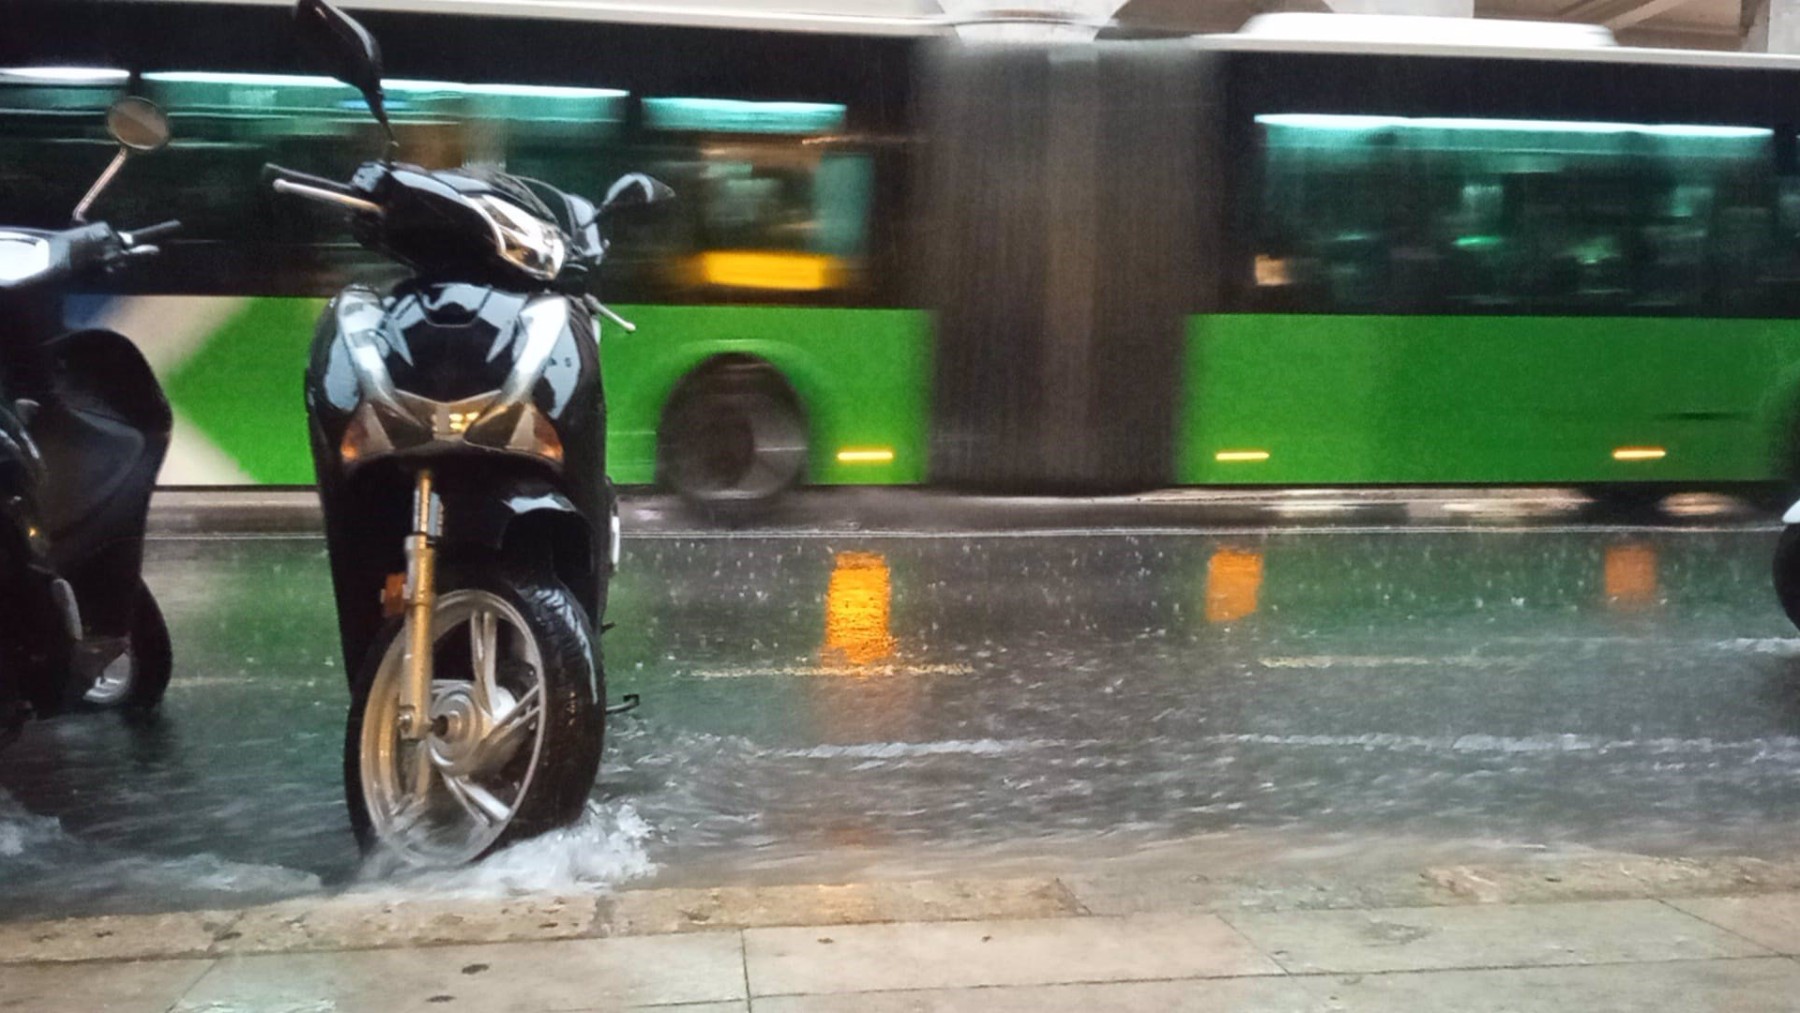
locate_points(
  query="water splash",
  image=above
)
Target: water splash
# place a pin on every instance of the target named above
(607, 846)
(49, 871)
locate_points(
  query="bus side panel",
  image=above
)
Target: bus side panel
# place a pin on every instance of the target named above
(1419, 400)
(862, 376)
(238, 391)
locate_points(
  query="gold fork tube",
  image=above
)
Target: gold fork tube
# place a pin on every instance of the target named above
(421, 601)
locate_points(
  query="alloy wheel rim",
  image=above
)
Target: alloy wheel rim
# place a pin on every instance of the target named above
(114, 682)
(486, 738)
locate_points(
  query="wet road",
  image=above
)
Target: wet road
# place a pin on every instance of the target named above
(825, 707)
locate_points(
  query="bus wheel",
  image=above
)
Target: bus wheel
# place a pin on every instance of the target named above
(732, 439)
(1625, 500)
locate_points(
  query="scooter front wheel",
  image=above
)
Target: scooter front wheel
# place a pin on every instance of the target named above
(1787, 572)
(514, 734)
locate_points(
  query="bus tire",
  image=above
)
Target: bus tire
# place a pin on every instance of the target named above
(1787, 572)
(733, 440)
(1624, 499)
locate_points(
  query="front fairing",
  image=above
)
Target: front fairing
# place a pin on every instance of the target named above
(453, 344)
(31, 258)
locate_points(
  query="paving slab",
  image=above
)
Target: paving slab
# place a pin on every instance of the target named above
(638, 912)
(134, 987)
(1772, 920)
(1754, 985)
(1142, 892)
(113, 937)
(1219, 995)
(867, 958)
(356, 922)
(1419, 939)
(587, 974)
(1614, 877)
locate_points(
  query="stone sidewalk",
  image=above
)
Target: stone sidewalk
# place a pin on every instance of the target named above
(1603, 934)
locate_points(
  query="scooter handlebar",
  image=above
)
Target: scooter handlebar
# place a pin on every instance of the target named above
(151, 233)
(316, 188)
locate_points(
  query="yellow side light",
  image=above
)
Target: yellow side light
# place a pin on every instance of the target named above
(869, 455)
(783, 272)
(1240, 456)
(1639, 454)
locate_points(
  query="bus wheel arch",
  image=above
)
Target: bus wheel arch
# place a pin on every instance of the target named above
(733, 435)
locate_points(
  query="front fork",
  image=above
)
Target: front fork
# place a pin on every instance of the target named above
(420, 603)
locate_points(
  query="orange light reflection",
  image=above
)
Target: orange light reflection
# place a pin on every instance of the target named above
(1233, 582)
(1631, 576)
(857, 601)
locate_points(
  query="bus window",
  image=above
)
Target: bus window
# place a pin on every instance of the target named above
(227, 125)
(772, 202)
(1384, 214)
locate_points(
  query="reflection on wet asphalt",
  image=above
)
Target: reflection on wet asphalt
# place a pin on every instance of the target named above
(816, 702)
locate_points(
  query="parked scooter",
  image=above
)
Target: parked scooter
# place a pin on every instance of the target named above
(83, 430)
(1787, 565)
(458, 434)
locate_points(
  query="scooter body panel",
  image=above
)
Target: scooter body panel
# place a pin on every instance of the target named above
(103, 438)
(75, 485)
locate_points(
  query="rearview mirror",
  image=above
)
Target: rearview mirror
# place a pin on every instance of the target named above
(137, 124)
(343, 48)
(634, 189)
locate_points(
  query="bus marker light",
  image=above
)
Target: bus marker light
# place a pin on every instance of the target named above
(1241, 456)
(877, 455)
(784, 272)
(1639, 454)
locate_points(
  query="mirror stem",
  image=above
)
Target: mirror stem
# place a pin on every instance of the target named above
(100, 184)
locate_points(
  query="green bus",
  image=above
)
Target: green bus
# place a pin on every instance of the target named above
(1289, 256)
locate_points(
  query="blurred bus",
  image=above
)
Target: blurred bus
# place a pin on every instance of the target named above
(1309, 253)
(773, 332)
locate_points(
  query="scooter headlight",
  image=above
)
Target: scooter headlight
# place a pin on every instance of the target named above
(527, 241)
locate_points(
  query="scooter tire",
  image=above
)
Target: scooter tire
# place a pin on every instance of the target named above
(573, 682)
(1787, 573)
(152, 652)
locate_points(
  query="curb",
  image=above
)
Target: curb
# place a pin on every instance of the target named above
(870, 510)
(362, 921)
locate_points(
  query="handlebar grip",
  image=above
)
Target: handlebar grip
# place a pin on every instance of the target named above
(150, 233)
(272, 173)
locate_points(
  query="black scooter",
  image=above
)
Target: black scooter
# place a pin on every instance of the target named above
(83, 430)
(458, 435)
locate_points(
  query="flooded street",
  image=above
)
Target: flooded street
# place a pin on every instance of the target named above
(826, 706)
